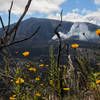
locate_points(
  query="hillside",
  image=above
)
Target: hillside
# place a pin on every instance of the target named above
(70, 32)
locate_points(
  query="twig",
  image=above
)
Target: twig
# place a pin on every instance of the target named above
(21, 40)
(9, 16)
(3, 26)
(14, 35)
(25, 38)
(59, 38)
(20, 19)
(58, 56)
(7, 37)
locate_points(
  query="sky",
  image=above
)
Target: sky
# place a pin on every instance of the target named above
(73, 10)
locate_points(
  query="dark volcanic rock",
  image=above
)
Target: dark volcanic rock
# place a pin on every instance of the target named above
(39, 44)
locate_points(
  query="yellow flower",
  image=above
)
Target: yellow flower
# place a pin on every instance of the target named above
(41, 65)
(78, 73)
(12, 98)
(46, 65)
(98, 32)
(66, 89)
(17, 52)
(75, 45)
(92, 85)
(19, 81)
(65, 67)
(32, 69)
(38, 94)
(98, 81)
(11, 80)
(41, 84)
(37, 78)
(51, 81)
(25, 53)
(27, 66)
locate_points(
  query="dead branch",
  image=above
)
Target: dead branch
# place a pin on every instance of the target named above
(18, 41)
(58, 56)
(6, 40)
(59, 39)
(9, 16)
(7, 37)
(20, 19)
(14, 35)
(3, 26)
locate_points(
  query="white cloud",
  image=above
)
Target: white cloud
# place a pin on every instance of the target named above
(62, 35)
(91, 17)
(74, 17)
(76, 10)
(41, 6)
(56, 17)
(85, 11)
(97, 2)
(0, 14)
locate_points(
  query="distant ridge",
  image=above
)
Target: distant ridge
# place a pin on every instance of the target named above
(46, 33)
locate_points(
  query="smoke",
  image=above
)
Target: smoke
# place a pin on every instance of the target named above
(76, 33)
(62, 35)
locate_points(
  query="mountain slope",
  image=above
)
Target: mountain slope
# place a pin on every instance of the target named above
(69, 31)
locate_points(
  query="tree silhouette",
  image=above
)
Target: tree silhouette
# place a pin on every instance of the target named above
(9, 35)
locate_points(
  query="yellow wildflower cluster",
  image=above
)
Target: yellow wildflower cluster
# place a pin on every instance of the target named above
(27, 66)
(13, 97)
(20, 81)
(51, 81)
(25, 53)
(98, 32)
(66, 89)
(17, 52)
(65, 67)
(41, 84)
(46, 65)
(37, 78)
(92, 85)
(75, 45)
(97, 81)
(78, 73)
(11, 80)
(38, 94)
(41, 65)
(32, 69)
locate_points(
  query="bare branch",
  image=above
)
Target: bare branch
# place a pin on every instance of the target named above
(26, 38)
(59, 38)
(20, 19)
(12, 43)
(7, 37)
(14, 35)
(61, 15)
(2, 23)
(9, 16)
(58, 56)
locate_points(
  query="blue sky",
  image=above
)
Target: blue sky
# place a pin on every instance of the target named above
(69, 5)
(73, 10)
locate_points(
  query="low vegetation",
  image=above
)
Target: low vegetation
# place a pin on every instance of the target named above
(79, 79)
